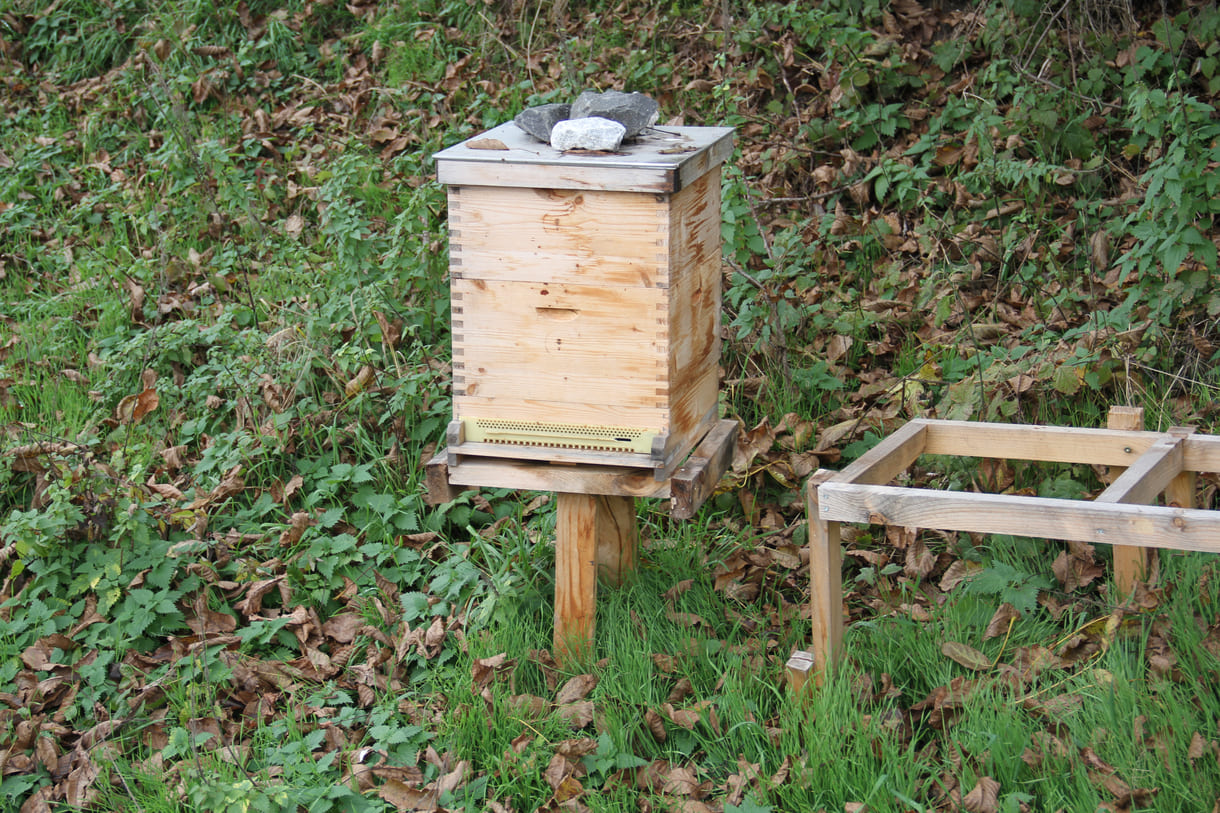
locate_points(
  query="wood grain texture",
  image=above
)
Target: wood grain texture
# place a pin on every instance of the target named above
(487, 472)
(825, 578)
(589, 307)
(617, 539)
(576, 536)
(577, 344)
(799, 668)
(694, 306)
(1131, 564)
(696, 480)
(559, 236)
(1059, 444)
(1148, 477)
(1181, 492)
(439, 489)
(1112, 524)
(890, 457)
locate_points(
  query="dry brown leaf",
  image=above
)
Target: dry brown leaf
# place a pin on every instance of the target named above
(681, 690)
(405, 797)
(560, 775)
(656, 726)
(984, 798)
(359, 382)
(207, 621)
(578, 715)
(297, 523)
(1001, 621)
(435, 636)
(686, 619)
(454, 779)
(1198, 747)
(966, 655)
(680, 781)
(486, 144)
(684, 718)
(1076, 566)
(484, 670)
(678, 589)
(958, 572)
(343, 627)
(752, 443)
(529, 706)
(576, 749)
(919, 560)
(252, 604)
(577, 688)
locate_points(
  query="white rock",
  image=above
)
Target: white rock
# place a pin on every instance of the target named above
(591, 133)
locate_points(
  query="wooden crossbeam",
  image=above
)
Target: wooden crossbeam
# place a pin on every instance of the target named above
(1058, 444)
(1148, 476)
(890, 457)
(1112, 524)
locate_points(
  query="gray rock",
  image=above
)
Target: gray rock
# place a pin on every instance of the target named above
(635, 111)
(589, 133)
(540, 119)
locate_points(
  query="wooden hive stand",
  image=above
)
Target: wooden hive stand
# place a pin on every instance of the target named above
(595, 526)
(1144, 466)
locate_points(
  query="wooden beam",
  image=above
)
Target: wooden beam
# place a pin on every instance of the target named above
(889, 458)
(571, 478)
(1201, 453)
(1114, 524)
(825, 578)
(1052, 444)
(1148, 476)
(1131, 564)
(617, 538)
(436, 480)
(696, 480)
(1060, 444)
(576, 544)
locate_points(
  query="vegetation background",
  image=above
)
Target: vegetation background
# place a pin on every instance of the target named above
(224, 354)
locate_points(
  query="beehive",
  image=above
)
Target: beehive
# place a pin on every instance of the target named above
(585, 296)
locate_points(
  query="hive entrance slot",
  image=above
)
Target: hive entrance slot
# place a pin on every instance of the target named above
(559, 435)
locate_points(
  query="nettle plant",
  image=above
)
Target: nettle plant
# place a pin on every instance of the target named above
(1181, 135)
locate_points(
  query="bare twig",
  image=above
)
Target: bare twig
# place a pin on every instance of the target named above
(803, 198)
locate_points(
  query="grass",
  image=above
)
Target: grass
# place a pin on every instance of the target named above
(224, 310)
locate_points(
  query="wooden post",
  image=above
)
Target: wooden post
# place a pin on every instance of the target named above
(1181, 491)
(1131, 564)
(616, 538)
(799, 667)
(825, 580)
(591, 531)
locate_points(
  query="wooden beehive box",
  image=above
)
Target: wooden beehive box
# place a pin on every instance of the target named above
(585, 297)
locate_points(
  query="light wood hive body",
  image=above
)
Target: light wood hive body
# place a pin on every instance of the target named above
(585, 297)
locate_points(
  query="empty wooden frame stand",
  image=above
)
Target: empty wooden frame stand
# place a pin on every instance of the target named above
(585, 295)
(1143, 466)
